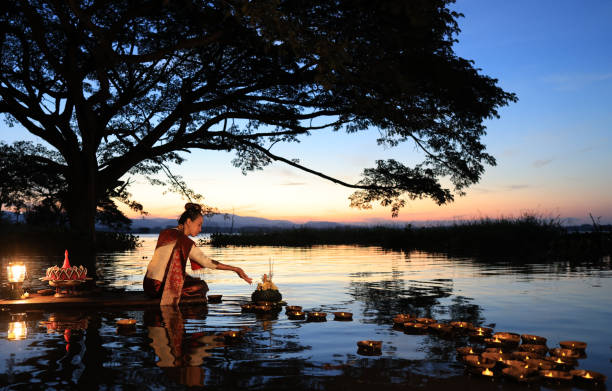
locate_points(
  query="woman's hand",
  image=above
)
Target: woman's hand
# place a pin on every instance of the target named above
(243, 275)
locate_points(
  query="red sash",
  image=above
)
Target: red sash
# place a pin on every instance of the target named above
(174, 277)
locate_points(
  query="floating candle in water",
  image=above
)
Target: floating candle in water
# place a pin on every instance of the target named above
(316, 316)
(487, 372)
(343, 316)
(294, 315)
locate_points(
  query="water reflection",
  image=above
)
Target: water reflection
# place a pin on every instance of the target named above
(171, 349)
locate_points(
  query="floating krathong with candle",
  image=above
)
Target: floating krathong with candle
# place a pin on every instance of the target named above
(555, 377)
(343, 316)
(465, 350)
(296, 315)
(521, 374)
(573, 345)
(400, 319)
(462, 326)
(588, 378)
(508, 339)
(566, 353)
(316, 316)
(369, 348)
(425, 320)
(415, 328)
(440, 328)
(496, 356)
(525, 355)
(533, 339)
(562, 363)
(292, 308)
(231, 336)
(539, 350)
(266, 290)
(539, 364)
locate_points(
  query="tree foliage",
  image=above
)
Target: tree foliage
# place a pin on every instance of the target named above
(123, 87)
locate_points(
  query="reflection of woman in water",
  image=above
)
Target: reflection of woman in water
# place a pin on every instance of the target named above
(166, 277)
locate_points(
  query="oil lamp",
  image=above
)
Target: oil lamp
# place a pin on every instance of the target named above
(369, 348)
(316, 316)
(16, 272)
(343, 316)
(17, 329)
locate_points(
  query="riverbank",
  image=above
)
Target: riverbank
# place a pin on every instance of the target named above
(526, 236)
(28, 239)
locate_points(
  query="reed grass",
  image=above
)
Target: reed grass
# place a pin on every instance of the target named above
(526, 235)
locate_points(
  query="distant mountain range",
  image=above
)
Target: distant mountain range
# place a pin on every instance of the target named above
(235, 223)
(226, 223)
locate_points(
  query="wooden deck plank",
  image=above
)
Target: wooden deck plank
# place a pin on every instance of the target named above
(99, 300)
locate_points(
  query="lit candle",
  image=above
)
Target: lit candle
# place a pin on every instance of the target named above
(487, 372)
(343, 316)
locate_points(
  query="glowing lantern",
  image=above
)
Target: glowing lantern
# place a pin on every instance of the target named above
(16, 273)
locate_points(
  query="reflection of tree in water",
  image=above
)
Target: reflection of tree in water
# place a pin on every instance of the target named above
(387, 297)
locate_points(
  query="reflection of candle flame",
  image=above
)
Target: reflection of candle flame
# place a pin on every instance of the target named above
(588, 376)
(486, 372)
(496, 340)
(17, 331)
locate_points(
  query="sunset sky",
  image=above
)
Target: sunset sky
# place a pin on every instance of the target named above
(552, 147)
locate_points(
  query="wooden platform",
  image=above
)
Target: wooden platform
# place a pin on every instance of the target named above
(99, 300)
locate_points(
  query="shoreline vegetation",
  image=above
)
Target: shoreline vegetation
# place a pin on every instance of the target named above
(527, 236)
(26, 239)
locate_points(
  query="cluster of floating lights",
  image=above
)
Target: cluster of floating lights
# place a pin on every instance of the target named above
(521, 357)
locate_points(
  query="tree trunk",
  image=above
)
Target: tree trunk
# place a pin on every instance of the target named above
(81, 208)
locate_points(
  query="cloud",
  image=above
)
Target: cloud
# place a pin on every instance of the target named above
(541, 163)
(293, 184)
(575, 81)
(516, 187)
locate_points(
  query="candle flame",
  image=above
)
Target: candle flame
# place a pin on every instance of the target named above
(526, 366)
(486, 372)
(559, 361)
(480, 333)
(471, 351)
(496, 340)
(549, 374)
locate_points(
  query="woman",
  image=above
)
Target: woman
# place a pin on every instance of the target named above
(166, 277)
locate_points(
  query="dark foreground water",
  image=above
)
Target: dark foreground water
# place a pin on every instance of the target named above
(177, 349)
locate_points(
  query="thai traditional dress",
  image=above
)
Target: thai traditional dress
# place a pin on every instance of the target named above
(166, 276)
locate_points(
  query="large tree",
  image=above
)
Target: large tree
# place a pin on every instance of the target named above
(119, 87)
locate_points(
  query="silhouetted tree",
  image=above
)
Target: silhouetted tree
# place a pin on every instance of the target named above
(30, 188)
(120, 87)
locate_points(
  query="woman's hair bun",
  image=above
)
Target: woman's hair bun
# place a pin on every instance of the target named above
(192, 206)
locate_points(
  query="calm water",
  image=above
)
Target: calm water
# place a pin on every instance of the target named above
(174, 350)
